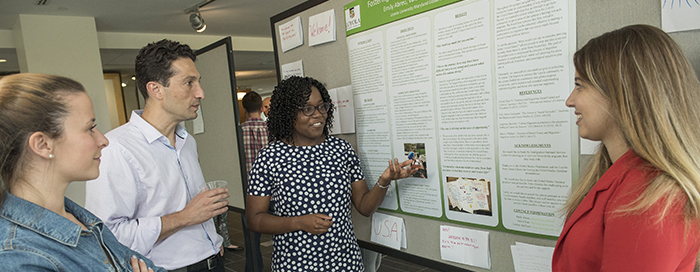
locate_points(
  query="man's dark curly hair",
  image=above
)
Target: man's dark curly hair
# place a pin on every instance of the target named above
(153, 63)
(287, 100)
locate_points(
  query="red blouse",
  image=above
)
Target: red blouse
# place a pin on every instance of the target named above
(595, 239)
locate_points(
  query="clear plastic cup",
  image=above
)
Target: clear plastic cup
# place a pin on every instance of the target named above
(213, 185)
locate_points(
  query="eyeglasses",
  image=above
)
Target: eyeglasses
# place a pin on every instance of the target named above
(323, 108)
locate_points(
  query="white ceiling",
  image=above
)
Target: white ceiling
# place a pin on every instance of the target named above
(248, 18)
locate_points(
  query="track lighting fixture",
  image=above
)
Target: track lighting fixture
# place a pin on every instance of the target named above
(197, 21)
(195, 17)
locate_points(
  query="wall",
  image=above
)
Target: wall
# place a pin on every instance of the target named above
(329, 63)
(262, 86)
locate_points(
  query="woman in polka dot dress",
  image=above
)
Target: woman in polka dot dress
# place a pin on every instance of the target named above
(311, 179)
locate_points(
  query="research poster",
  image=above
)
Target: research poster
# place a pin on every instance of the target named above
(534, 139)
(472, 93)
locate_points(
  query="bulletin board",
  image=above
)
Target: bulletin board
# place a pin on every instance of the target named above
(331, 63)
(216, 130)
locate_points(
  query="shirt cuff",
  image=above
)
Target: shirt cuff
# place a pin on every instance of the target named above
(150, 230)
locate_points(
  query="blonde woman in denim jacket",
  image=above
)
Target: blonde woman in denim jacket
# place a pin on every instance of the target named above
(48, 139)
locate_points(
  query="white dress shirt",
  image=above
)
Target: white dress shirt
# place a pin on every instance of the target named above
(142, 177)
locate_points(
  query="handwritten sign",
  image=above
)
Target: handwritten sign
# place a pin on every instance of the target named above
(322, 28)
(292, 69)
(465, 246)
(532, 258)
(291, 35)
(388, 230)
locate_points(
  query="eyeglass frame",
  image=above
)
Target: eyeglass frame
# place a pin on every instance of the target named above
(328, 104)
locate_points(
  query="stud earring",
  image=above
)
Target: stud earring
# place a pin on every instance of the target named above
(50, 156)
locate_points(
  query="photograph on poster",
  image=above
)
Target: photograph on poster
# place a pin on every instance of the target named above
(416, 153)
(469, 195)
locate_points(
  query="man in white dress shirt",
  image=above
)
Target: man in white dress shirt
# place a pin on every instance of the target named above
(148, 189)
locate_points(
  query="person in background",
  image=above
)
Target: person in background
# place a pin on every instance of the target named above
(254, 138)
(48, 139)
(312, 178)
(412, 154)
(419, 165)
(148, 193)
(637, 206)
(265, 108)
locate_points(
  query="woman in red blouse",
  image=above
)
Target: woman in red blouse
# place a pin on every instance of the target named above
(637, 206)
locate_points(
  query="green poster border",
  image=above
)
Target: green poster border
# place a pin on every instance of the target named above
(374, 13)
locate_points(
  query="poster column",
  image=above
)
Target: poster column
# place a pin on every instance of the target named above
(371, 108)
(534, 136)
(465, 113)
(411, 99)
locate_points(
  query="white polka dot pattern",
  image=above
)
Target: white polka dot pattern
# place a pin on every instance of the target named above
(307, 180)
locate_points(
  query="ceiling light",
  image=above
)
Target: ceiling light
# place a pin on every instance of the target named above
(3, 60)
(123, 84)
(197, 21)
(133, 78)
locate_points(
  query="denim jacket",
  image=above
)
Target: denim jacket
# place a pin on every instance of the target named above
(33, 238)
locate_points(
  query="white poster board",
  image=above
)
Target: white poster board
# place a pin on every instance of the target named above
(465, 246)
(388, 230)
(322, 28)
(291, 34)
(292, 69)
(532, 258)
(344, 110)
(680, 15)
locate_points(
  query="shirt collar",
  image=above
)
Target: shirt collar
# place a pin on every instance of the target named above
(150, 132)
(46, 222)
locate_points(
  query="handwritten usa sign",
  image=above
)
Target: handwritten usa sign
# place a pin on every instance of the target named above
(388, 230)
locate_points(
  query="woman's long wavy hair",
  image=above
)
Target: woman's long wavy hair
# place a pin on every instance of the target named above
(287, 100)
(29, 103)
(654, 94)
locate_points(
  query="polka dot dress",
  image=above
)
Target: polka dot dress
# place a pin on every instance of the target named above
(306, 180)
